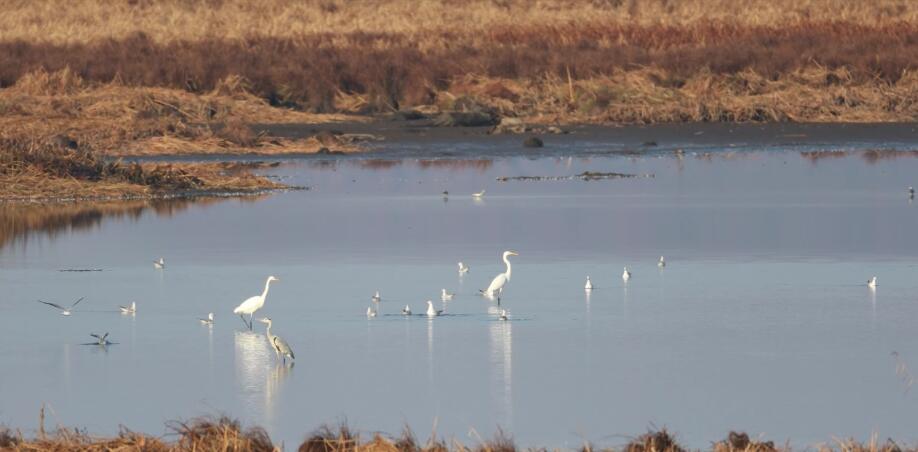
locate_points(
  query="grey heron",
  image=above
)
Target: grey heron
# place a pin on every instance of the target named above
(281, 349)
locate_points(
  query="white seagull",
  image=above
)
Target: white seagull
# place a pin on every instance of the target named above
(376, 298)
(101, 340)
(662, 262)
(253, 304)
(463, 268)
(496, 288)
(626, 275)
(479, 194)
(132, 309)
(872, 283)
(406, 310)
(371, 312)
(160, 263)
(209, 320)
(446, 296)
(431, 312)
(588, 285)
(64, 311)
(504, 315)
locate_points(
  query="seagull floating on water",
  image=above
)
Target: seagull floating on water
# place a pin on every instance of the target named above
(504, 315)
(589, 284)
(479, 194)
(209, 320)
(662, 262)
(431, 312)
(872, 282)
(371, 312)
(463, 268)
(406, 310)
(626, 275)
(160, 263)
(280, 346)
(446, 296)
(64, 311)
(132, 309)
(376, 298)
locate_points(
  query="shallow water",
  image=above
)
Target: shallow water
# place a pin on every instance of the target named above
(761, 321)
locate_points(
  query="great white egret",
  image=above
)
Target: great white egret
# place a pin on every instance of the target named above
(626, 275)
(496, 288)
(281, 349)
(479, 194)
(431, 312)
(371, 312)
(463, 268)
(209, 320)
(662, 262)
(253, 304)
(446, 296)
(160, 263)
(504, 315)
(406, 310)
(132, 309)
(376, 298)
(64, 311)
(872, 283)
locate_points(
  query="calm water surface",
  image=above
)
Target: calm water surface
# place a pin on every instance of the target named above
(761, 320)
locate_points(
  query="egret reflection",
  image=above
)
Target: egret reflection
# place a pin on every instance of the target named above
(501, 362)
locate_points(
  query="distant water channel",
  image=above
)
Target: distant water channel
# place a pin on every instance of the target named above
(761, 320)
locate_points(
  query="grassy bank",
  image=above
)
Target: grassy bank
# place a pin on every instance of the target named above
(224, 434)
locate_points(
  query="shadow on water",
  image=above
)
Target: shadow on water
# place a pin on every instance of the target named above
(19, 222)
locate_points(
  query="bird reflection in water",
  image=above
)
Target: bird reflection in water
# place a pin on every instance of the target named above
(259, 377)
(501, 362)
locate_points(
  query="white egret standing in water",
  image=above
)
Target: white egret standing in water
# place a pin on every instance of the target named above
(496, 288)
(132, 309)
(160, 263)
(253, 304)
(872, 283)
(281, 349)
(626, 275)
(431, 312)
(463, 268)
(446, 296)
(588, 285)
(209, 320)
(64, 311)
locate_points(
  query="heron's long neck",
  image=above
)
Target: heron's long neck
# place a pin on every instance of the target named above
(265, 293)
(268, 331)
(509, 269)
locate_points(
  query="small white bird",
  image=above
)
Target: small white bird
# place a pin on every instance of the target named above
(446, 296)
(376, 298)
(132, 309)
(463, 268)
(371, 312)
(209, 320)
(504, 315)
(872, 283)
(589, 284)
(431, 312)
(406, 310)
(101, 340)
(662, 262)
(479, 194)
(159, 263)
(64, 311)
(626, 275)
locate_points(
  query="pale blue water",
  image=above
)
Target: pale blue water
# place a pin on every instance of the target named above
(761, 320)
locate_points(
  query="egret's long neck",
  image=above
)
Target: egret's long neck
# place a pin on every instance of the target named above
(265, 293)
(509, 269)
